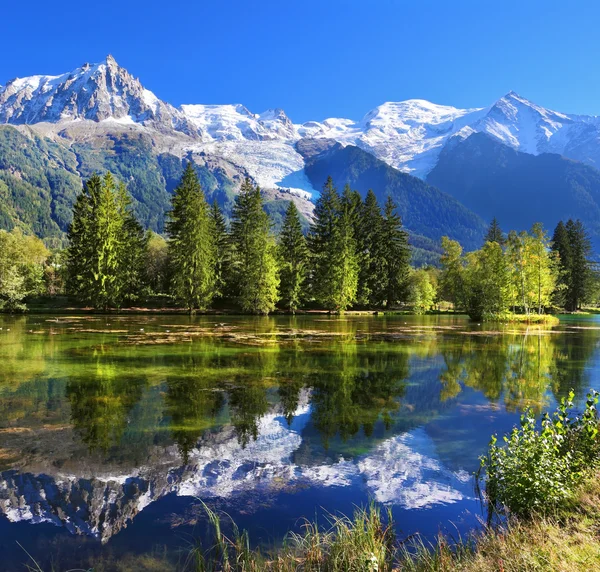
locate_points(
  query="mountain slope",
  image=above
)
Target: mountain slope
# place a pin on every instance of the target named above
(426, 211)
(519, 189)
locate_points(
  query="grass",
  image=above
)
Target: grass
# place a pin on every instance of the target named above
(566, 541)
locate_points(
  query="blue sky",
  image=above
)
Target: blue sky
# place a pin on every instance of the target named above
(321, 58)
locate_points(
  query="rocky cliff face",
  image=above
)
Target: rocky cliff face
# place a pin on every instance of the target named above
(98, 92)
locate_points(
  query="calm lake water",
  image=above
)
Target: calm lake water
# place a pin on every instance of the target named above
(114, 429)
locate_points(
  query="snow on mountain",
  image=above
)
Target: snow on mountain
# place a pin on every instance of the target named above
(96, 92)
(408, 135)
(403, 471)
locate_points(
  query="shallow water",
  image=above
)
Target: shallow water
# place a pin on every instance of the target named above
(113, 429)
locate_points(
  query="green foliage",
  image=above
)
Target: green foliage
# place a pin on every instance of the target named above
(538, 470)
(192, 252)
(573, 248)
(254, 268)
(222, 243)
(106, 245)
(293, 260)
(22, 265)
(489, 282)
(396, 254)
(333, 248)
(494, 233)
(373, 275)
(452, 279)
(421, 291)
(156, 264)
(38, 183)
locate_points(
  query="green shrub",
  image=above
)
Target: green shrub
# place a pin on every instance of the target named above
(537, 470)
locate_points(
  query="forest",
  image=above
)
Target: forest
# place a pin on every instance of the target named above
(355, 255)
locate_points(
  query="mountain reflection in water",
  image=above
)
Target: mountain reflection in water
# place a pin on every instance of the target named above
(98, 422)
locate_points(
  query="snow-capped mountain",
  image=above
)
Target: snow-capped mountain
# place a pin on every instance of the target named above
(96, 92)
(408, 135)
(403, 471)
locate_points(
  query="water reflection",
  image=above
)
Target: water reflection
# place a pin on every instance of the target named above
(97, 421)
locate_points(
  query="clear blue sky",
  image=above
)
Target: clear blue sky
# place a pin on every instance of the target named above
(321, 58)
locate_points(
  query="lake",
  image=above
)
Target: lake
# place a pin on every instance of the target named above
(115, 429)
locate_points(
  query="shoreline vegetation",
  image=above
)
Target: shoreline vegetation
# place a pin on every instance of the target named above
(64, 306)
(355, 256)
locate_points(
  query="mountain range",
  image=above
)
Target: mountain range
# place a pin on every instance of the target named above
(450, 170)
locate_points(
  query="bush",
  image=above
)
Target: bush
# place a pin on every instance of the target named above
(538, 470)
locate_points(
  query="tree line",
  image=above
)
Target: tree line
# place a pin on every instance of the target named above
(522, 272)
(355, 254)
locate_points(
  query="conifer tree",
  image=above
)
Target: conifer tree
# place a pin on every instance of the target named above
(562, 248)
(222, 244)
(494, 233)
(371, 251)
(191, 244)
(293, 259)
(333, 247)
(327, 209)
(579, 268)
(254, 251)
(81, 249)
(103, 245)
(396, 254)
(135, 243)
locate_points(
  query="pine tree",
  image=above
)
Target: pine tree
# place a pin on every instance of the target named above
(254, 250)
(135, 244)
(320, 239)
(103, 243)
(561, 246)
(579, 268)
(371, 250)
(396, 254)
(335, 278)
(293, 259)
(81, 249)
(191, 244)
(494, 233)
(222, 244)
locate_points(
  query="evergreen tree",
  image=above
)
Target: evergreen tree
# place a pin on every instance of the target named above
(293, 259)
(326, 213)
(371, 253)
(81, 249)
(134, 249)
(255, 263)
(396, 254)
(335, 278)
(579, 268)
(562, 248)
(222, 244)
(191, 244)
(105, 246)
(494, 233)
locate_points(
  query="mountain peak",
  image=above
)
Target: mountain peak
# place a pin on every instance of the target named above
(94, 92)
